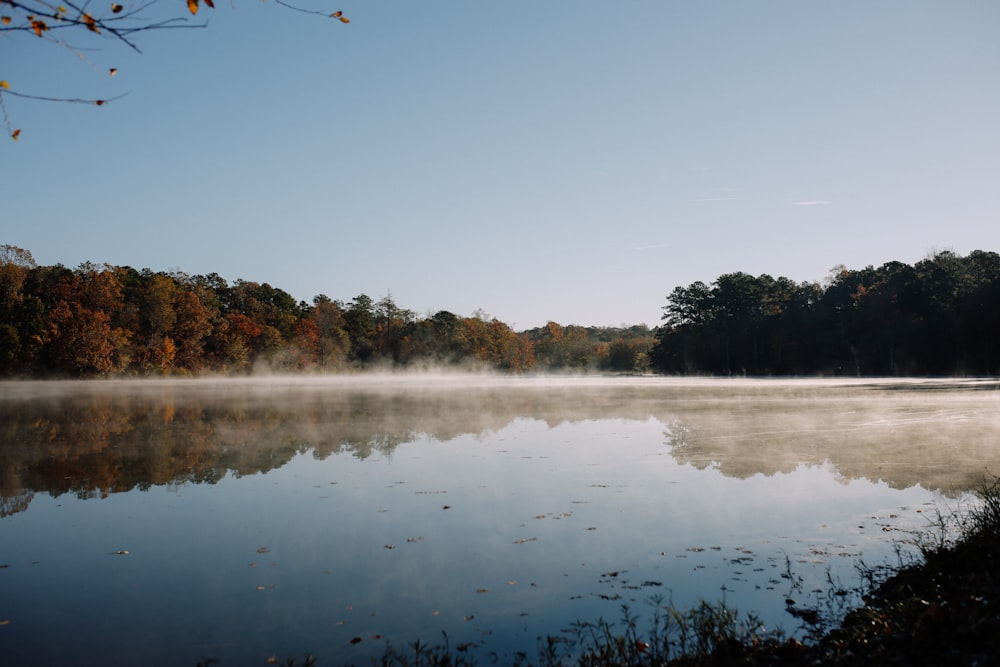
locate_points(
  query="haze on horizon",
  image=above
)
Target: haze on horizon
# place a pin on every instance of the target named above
(566, 161)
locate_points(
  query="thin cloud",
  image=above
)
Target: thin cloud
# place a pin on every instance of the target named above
(813, 202)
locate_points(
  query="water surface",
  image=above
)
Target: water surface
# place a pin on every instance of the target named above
(279, 516)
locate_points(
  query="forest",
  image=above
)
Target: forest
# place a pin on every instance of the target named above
(99, 320)
(940, 316)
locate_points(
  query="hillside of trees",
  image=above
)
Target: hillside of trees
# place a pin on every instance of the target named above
(940, 316)
(115, 320)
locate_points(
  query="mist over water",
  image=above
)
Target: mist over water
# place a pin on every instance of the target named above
(282, 515)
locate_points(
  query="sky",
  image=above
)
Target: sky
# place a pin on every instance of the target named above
(536, 160)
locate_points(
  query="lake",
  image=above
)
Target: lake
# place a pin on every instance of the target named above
(167, 522)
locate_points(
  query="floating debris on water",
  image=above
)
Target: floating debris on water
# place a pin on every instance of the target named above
(525, 539)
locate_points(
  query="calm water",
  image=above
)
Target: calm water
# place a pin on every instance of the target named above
(278, 517)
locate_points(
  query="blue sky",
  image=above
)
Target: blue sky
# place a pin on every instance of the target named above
(562, 160)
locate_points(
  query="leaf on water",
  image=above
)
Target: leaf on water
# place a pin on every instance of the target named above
(511, 582)
(389, 546)
(482, 590)
(262, 550)
(356, 640)
(5, 621)
(193, 6)
(468, 618)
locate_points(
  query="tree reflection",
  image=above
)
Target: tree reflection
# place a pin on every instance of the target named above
(95, 439)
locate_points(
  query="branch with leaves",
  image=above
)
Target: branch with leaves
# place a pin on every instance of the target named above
(118, 21)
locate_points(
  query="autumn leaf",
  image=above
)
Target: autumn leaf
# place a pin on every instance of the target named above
(210, 3)
(193, 6)
(113, 71)
(39, 27)
(89, 21)
(344, 19)
(99, 103)
(116, 8)
(4, 85)
(5, 20)
(337, 15)
(15, 134)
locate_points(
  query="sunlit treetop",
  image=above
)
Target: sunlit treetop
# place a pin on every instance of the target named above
(56, 24)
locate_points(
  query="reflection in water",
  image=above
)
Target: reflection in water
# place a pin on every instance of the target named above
(239, 519)
(92, 439)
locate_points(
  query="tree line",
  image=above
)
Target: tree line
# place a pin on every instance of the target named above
(117, 320)
(940, 316)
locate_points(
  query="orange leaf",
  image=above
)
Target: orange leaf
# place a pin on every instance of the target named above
(210, 3)
(337, 15)
(90, 22)
(5, 20)
(15, 134)
(4, 85)
(113, 71)
(39, 27)
(344, 19)
(116, 8)
(193, 6)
